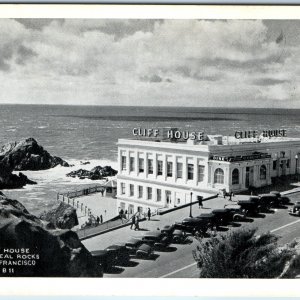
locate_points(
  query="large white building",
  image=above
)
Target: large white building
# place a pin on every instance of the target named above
(160, 174)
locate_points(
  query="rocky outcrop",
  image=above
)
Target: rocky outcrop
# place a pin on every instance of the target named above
(55, 253)
(8, 180)
(62, 216)
(28, 155)
(95, 174)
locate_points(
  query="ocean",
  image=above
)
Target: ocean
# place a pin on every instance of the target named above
(90, 133)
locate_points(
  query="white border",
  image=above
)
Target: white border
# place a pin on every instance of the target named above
(148, 287)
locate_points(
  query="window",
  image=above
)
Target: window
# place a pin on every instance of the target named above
(263, 172)
(179, 170)
(190, 171)
(169, 169)
(149, 193)
(288, 163)
(140, 188)
(235, 176)
(219, 176)
(158, 195)
(131, 189)
(123, 163)
(201, 173)
(159, 167)
(141, 165)
(122, 188)
(274, 164)
(150, 166)
(132, 167)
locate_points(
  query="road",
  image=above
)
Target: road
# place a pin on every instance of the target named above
(178, 261)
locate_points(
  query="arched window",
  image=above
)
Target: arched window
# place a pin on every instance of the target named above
(263, 172)
(235, 176)
(219, 176)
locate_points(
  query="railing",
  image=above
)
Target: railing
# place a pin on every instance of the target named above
(82, 192)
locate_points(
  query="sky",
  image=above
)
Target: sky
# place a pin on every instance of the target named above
(202, 63)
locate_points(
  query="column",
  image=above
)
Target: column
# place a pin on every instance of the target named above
(154, 165)
(184, 169)
(136, 163)
(174, 168)
(196, 163)
(128, 162)
(164, 167)
(146, 165)
(120, 160)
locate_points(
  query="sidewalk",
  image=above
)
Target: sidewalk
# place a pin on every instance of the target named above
(124, 234)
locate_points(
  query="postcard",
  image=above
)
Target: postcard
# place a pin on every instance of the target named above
(149, 142)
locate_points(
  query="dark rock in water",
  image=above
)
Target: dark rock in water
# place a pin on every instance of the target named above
(62, 216)
(95, 174)
(12, 181)
(84, 163)
(28, 155)
(57, 253)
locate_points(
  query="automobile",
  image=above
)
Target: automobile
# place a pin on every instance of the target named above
(248, 207)
(295, 210)
(121, 251)
(223, 216)
(178, 236)
(237, 212)
(107, 259)
(281, 198)
(266, 201)
(156, 239)
(133, 244)
(168, 230)
(144, 251)
(192, 225)
(208, 219)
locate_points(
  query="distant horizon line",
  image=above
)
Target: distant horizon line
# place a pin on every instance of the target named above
(146, 106)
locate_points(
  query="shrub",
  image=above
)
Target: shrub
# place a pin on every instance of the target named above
(241, 254)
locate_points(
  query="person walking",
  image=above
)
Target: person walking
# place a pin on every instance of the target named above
(98, 220)
(137, 225)
(200, 201)
(132, 222)
(149, 213)
(230, 196)
(101, 219)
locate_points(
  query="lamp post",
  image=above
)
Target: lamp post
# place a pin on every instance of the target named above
(191, 205)
(296, 171)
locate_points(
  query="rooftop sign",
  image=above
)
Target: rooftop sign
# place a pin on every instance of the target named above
(248, 134)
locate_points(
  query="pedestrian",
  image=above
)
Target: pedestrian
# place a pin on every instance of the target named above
(126, 212)
(97, 220)
(137, 225)
(102, 192)
(101, 219)
(132, 221)
(200, 199)
(230, 196)
(121, 213)
(149, 213)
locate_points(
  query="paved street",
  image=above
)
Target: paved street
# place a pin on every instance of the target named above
(178, 262)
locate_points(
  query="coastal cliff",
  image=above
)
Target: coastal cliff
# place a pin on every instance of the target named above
(24, 155)
(56, 253)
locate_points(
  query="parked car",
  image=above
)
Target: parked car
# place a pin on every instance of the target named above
(282, 200)
(223, 216)
(156, 239)
(266, 201)
(144, 251)
(133, 244)
(107, 259)
(237, 212)
(208, 220)
(192, 225)
(121, 251)
(168, 230)
(178, 236)
(248, 207)
(295, 210)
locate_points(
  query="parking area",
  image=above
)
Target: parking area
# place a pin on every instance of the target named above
(177, 259)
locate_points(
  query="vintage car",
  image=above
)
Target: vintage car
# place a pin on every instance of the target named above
(248, 207)
(282, 200)
(208, 219)
(168, 230)
(192, 225)
(266, 201)
(156, 239)
(223, 216)
(107, 259)
(144, 251)
(295, 210)
(237, 213)
(133, 244)
(121, 251)
(178, 236)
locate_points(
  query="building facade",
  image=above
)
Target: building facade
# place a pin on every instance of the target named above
(155, 174)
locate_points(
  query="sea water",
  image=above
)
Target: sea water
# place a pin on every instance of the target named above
(90, 133)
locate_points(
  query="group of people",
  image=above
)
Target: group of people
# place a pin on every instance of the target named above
(135, 220)
(99, 219)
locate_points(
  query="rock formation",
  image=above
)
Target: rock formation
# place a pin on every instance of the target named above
(95, 174)
(28, 155)
(62, 216)
(56, 253)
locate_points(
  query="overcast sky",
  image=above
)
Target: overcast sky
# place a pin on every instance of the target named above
(150, 62)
